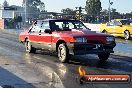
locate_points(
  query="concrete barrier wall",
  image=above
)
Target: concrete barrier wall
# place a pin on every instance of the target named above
(93, 27)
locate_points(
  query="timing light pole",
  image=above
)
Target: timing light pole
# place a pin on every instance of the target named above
(80, 10)
(110, 3)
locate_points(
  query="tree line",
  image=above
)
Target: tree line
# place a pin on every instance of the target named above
(95, 13)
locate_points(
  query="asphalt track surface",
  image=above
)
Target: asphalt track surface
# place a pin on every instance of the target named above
(24, 70)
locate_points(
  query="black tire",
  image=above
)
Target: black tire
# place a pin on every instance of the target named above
(127, 35)
(63, 53)
(103, 56)
(29, 48)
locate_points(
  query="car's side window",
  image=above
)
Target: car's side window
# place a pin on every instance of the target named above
(36, 27)
(44, 25)
(59, 25)
(33, 29)
(116, 23)
(110, 24)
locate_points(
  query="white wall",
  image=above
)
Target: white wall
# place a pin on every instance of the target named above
(6, 14)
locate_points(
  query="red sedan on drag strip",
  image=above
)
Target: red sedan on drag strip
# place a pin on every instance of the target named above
(66, 37)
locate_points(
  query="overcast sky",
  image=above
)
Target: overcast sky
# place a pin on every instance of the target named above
(122, 6)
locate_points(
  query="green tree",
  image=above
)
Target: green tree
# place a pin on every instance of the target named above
(115, 14)
(42, 7)
(104, 12)
(5, 4)
(32, 7)
(93, 7)
(68, 11)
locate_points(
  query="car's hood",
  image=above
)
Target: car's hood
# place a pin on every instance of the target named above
(83, 32)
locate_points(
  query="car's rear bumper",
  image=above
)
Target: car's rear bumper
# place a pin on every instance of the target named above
(81, 49)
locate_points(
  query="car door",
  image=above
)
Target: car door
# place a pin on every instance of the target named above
(33, 35)
(45, 39)
(118, 28)
(110, 27)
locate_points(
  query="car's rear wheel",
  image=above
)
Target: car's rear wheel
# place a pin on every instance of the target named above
(63, 53)
(126, 35)
(29, 48)
(103, 56)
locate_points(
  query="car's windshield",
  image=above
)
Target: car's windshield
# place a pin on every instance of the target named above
(66, 25)
(125, 22)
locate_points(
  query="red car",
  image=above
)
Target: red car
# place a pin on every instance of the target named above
(66, 37)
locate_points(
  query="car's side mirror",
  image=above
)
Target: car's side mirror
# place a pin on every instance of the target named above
(48, 31)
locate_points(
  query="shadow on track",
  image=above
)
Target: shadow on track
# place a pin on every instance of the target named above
(120, 63)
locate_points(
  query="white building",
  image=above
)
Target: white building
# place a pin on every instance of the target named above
(7, 12)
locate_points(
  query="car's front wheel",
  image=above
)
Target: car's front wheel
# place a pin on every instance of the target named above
(103, 56)
(29, 48)
(126, 35)
(63, 53)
